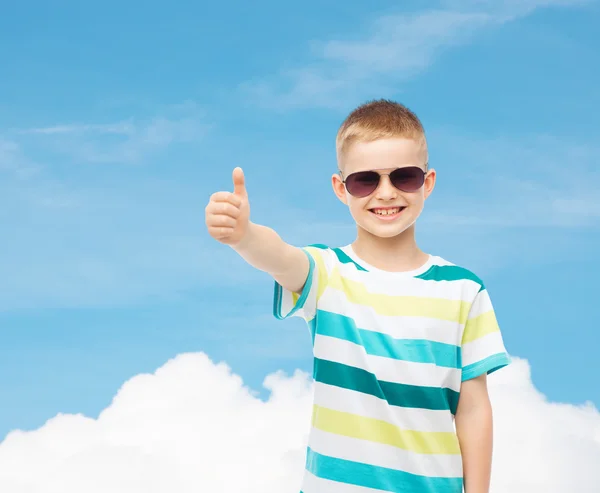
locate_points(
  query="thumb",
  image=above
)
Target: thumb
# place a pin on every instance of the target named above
(239, 183)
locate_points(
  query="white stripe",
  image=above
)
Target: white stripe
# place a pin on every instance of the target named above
(365, 317)
(481, 348)
(369, 406)
(441, 261)
(378, 454)
(375, 282)
(386, 369)
(307, 311)
(285, 301)
(314, 484)
(434, 259)
(482, 304)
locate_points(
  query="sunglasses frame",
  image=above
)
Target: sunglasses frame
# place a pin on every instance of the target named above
(378, 171)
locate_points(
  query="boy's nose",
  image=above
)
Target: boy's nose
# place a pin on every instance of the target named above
(385, 190)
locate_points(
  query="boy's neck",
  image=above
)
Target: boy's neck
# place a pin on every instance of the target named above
(397, 254)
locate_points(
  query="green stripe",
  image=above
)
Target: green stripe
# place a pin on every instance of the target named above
(376, 477)
(450, 273)
(379, 344)
(396, 394)
(342, 257)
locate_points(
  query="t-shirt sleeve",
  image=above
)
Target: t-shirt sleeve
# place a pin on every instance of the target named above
(483, 348)
(304, 305)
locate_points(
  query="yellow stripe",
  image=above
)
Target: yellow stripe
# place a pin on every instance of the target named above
(375, 430)
(396, 306)
(480, 326)
(321, 269)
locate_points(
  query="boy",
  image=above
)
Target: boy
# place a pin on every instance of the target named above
(402, 340)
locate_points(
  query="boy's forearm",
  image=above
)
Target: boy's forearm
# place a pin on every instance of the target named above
(474, 428)
(265, 250)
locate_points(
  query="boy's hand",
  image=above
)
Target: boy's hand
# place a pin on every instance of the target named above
(228, 221)
(228, 213)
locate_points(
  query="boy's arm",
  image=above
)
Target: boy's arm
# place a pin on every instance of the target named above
(228, 221)
(264, 249)
(475, 429)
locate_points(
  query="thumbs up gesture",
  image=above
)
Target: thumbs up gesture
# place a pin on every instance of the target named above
(228, 213)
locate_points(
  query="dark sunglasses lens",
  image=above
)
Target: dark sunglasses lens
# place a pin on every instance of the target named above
(362, 183)
(408, 179)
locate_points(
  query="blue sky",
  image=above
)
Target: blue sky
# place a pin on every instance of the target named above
(117, 122)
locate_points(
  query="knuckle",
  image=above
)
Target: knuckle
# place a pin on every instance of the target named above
(219, 232)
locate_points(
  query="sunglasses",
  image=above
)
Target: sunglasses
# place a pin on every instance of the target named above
(363, 183)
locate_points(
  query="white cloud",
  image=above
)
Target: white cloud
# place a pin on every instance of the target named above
(511, 202)
(542, 446)
(13, 162)
(526, 181)
(8, 150)
(126, 141)
(395, 48)
(510, 9)
(89, 246)
(85, 243)
(193, 426)
(122, 128)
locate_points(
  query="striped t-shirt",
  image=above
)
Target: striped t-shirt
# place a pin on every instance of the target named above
(390, 352)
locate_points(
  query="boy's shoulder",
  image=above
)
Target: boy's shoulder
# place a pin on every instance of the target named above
(437, 268)
(337, 255)
(444, 270)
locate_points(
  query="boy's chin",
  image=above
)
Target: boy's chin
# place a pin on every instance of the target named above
(388, 230)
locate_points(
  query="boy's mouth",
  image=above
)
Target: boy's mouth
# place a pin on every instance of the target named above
(387, 212)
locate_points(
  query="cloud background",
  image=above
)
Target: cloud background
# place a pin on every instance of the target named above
(116, 125)
(193, 425)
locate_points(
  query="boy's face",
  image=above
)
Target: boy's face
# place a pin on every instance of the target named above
(387, 211)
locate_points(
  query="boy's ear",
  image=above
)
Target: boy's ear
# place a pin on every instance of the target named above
(338, 187)
(429, 184)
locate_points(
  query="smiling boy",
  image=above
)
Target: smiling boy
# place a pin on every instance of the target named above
(402, 340)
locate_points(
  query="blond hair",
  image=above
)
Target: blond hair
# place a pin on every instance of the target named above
(378, 119)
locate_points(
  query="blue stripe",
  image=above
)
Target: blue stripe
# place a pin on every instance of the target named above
(379, 344)
(380, 478)
(487, 365)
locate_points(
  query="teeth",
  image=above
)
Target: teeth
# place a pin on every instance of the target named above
(386, 212)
